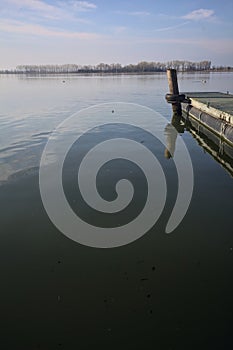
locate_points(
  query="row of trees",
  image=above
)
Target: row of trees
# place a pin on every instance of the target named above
(141, 67)
(221, 68)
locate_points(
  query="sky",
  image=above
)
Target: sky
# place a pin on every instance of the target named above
(115, 31)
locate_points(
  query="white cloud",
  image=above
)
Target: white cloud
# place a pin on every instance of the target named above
(60, 10)
(171, 27)
(19, 27)
(199, 14)
(35, 5)
(133, 13)
(139, 13)
(81, 5)
(43, 6)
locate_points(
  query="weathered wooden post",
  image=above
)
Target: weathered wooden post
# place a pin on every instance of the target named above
(172, 82)
(174, 96)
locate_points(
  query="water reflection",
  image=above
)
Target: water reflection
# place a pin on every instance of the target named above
(160, 284)
(171, 135)
(171, 131)
(220, 150)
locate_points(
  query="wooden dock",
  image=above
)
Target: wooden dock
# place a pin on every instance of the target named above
(214, 110)
(217, 104)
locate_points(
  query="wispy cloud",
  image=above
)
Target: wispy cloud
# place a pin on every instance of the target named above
(133, 13)
(41, 5)
(19, 27)
(81, 5)
(139, 13)
(59, 10)
(35, 5)
(201, 14)
(171, 27)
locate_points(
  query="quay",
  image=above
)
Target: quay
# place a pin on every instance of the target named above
(213, 110)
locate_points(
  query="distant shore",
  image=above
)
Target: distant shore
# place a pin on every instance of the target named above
(142, 67)
(6, 72)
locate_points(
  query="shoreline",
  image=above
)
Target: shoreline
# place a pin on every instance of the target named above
(113, 73)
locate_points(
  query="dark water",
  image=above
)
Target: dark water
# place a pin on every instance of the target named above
(169, 291)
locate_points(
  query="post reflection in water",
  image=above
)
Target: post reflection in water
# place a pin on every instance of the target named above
(171, 131)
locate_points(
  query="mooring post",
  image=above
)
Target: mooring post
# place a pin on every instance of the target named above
(174, 96)
(172, 81)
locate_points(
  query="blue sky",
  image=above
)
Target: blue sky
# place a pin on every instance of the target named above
(129, 31)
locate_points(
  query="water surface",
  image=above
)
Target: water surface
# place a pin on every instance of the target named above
(172, 290)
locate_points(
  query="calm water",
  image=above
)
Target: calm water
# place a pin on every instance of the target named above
(172, 290)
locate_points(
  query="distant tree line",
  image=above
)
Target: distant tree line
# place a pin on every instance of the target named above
(141, 67)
